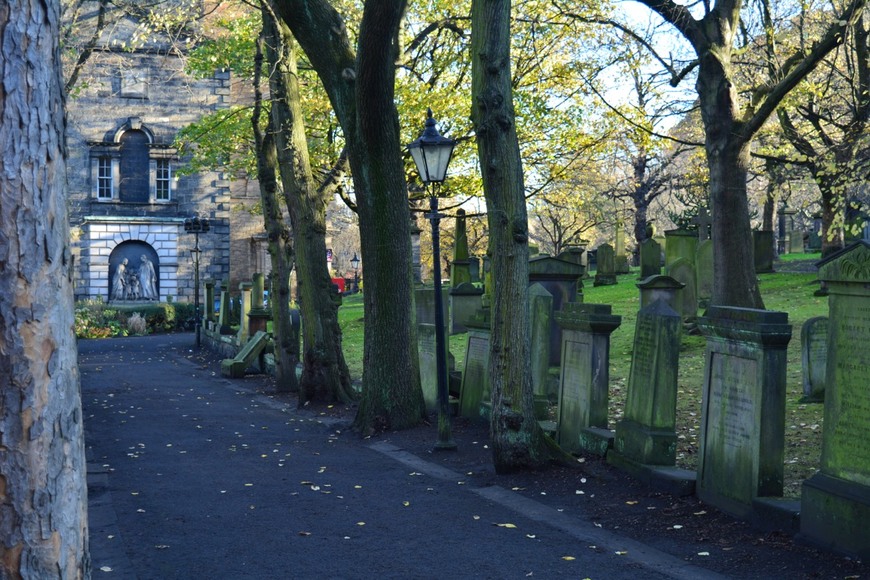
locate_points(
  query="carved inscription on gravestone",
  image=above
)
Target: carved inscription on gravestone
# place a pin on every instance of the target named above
(642, 359)
(428, 364)
(850, 436)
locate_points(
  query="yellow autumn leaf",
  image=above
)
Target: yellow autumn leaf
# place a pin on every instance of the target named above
(511, 526)
(406, 503)
(568, 558)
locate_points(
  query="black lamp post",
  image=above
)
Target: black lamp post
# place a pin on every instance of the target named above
(354, 263)
(431, 153)
(196, 226)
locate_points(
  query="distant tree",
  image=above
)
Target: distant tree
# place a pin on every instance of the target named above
(43, 493)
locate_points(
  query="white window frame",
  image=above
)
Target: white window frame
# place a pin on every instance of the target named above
(105, 179)
(163, 180)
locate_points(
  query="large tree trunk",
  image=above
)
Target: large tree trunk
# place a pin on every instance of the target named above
(734, 279)
(518, 442)
(325, 376)
(43, 495)
(361, 93)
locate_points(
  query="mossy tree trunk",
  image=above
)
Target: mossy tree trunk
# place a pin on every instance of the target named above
(518, 441)
(360, 87)
(325, 376)
(43, 493)
(279, 242)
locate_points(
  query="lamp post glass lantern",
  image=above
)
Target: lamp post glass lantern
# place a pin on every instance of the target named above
(432, 153)
(354, 263)
(196, 226)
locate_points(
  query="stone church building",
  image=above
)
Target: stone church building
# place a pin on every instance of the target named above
(127, 199)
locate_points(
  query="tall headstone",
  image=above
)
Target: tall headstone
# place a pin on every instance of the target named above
(427, 353)
(796, 242)
(680, 244)
(647, 435)
(683, 271)
(224, 314)
(605, 275)
(258, 315)
(475, 378)
(764, 254)
(584, 381)
(814, 358)
(704, 222)
(541, 311)
(209, 301)
(620, 259)
(460, 267)
(564, 281)
(743, 407)
(474, 268)
(650, 258)
(786, 225)
(704, 272)
(424, 300)
(835, 502)
(245, 302)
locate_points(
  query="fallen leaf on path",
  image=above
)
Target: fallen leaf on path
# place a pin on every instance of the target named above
(511, 526)
(568, 558)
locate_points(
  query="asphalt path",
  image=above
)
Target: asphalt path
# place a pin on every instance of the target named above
(192, 475)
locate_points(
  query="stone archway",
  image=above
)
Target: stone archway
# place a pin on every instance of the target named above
(130, 276)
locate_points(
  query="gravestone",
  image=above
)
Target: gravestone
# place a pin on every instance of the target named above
(796, 242)
(224, 315)
(620, 259)
(704, 272)
(683, 271)
(743, 407)
(660, 287)
(460, 267)
(835, 502)
(245, 309)
(814, 358)
(474, 269)
(605, 274)
(258, 315)
(424, 300)
(585, 375)
(647, 435)
(704, 222)
(814, 242)
(541, 315)
(416, 269)
(426, 350)
(764, 254)
(209, 302)
(680, 244)
(564, 281)
(650, 258)
(465, 301)
(475, 378)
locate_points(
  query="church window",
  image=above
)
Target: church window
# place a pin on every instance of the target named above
(164, 180)
(104, 178)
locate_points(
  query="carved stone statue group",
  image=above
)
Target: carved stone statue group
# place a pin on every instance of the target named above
(130, 284)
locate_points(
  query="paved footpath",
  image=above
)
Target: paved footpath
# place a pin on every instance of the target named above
(191, 475)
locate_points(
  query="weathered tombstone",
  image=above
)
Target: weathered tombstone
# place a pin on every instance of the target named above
(541, 315)
(585, 376)
(786, 225)
(764, 254)
(474, 268)
(620, 259)
(660, 287)
(647, 436)
(465, 301)
(258, 315)
(704, 272)
(835, 503)
(795, 242)
(224, 313)
(814, 242)
(460, 269)
(564, 281)
(424, 299)
(814, 358)
(650, 258)
(683, 271)
(704, 221)
(475, 377)
(209, 302)
(245, 303)
(427, 352)
(605, 275)
(680, 244)
(416, 269)
(743, 407)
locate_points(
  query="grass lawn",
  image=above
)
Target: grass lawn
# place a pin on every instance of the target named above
(783, 291)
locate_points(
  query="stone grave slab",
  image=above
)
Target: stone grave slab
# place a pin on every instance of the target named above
(743, 407)
(835, 502)
(814, 358)
(680, 244)
(683, 271)
(428, 365)
(465, 300)
(704, 272)
(584, 380)
(650, 258)
(541, 315)
(764, 251)
(475, 377)
(605, 273)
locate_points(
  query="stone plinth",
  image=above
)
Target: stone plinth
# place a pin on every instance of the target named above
(835, 503)
(743, 407)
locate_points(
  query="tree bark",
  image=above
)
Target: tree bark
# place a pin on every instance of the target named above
(517, 440)
(279, 242)
(43, 494)
(325, 376)
(361, 93)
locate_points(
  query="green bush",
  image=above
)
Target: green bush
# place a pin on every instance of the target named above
(95, 319)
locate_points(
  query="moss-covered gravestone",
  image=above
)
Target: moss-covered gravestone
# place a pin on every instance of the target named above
(650, 258)
(541, 317)
(584, 381)
(814, 358)
(764, 255)
(647, 435)
(475, 378)
(835, 503)
(704, 272)
(743, 407)
(428, 354)
(605, 272)
(680, 244)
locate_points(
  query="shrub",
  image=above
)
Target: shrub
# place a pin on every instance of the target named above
(136, 324)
